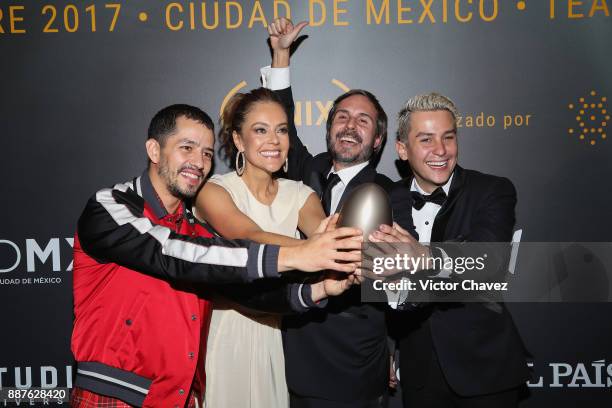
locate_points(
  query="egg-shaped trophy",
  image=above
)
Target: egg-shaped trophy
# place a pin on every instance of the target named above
(366, 207)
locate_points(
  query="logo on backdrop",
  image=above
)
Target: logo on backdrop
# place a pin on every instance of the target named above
(597, 374)
(36, 376)
(307, 112)
(34, 261)
(591, 118)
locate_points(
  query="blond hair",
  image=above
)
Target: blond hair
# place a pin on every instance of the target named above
(423, 103)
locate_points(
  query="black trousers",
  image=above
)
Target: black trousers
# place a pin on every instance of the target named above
(437, 394)
(296, 401)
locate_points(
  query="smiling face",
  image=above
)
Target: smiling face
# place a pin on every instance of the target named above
(264, 137)
(183, 162)
(352, 136)
(430, 148)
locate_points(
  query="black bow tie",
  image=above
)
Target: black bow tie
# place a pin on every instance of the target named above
(419, 200)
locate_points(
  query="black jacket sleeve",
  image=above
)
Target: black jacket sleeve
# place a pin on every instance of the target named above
(490, 228)
(113, 228)
(300, 160)
(270, 296)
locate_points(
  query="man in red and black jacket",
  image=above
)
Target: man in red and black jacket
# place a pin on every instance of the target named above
(139, 334)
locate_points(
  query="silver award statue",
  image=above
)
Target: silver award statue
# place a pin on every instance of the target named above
(366, 207)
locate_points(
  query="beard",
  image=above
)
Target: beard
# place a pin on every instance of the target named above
(171, 179)
(345, 155)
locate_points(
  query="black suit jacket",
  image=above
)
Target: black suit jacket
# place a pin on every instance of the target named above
(338, 353)
(477, 344)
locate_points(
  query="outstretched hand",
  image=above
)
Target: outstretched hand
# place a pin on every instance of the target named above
(334, 285)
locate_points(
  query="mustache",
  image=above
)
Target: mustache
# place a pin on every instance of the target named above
(349, 133)
(191, 167)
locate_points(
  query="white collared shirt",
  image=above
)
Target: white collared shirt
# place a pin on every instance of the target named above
(346, 175)
(424, 218)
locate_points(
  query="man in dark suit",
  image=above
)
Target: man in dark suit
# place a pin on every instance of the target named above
(452, 354)
(338, 357)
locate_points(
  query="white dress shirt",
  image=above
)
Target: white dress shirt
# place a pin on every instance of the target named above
(424, 218)
(346, 175)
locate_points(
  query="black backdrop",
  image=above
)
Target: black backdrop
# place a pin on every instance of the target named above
(75, 103)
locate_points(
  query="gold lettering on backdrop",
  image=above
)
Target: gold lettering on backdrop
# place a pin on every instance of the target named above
(71, 18)
(426, 11)
(117, 9)
(458, 15)
(250, 14)
(228, 15)
(215, 23)
(284, 3)
(516, 120)
(169, 8)
(576, 9)
(14, 19)
(311, 10)
(493, 15)
(371, 10)
(257, 15)
(445, 11)
(400, 13)
(304, 113)
(53, 11)
(484, 120)
(338, 11)
(297, 118)
(307, 112)
(92, 10)
(597, 6)
(551, 8)
(192, 16)
(323, 111)
(379, 11)
(571, 4)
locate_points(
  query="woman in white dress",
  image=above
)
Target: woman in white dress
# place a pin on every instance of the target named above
(244, 363)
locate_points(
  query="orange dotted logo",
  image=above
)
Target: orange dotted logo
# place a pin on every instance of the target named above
(591, 118)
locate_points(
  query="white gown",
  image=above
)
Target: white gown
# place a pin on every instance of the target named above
(245, 365)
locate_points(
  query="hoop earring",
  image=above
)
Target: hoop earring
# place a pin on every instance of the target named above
(286, 165)
(240, 169)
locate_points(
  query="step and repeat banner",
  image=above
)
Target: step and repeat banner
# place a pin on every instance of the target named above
(80, 80)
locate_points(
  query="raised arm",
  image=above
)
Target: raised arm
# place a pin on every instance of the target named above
(282, 34)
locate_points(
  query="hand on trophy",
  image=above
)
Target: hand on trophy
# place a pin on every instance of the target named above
(333, 285)
(386, 233)
(400, 250)
(337, 249)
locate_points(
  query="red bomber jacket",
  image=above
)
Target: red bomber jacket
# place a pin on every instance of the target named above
(140, 327)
